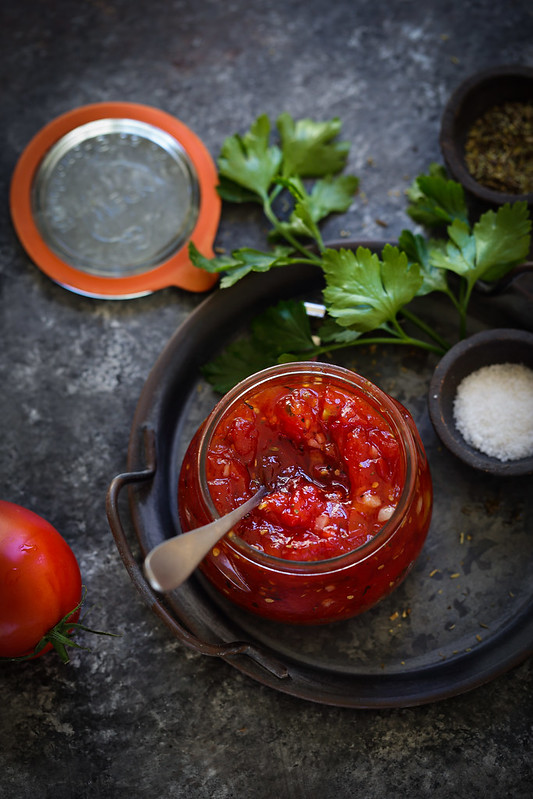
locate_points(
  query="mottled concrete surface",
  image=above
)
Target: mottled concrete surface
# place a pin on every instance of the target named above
(140, 715)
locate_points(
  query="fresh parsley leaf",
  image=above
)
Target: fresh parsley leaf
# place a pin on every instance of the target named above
(233, 193)
(238, 360)
(301, 222)
(436, 201)
(417, 249)
(458, 254)
(280, 334)
(249, 160)
(213, 265)
(502, 239)
(364, 292)
(328, 195)
(250, 260)
(333, 195)
(498, 242)
(414, 192)
(241, 262)
(308, 147)
(284, 328)
(331, 332)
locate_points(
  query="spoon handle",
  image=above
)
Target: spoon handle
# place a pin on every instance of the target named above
(169, 564)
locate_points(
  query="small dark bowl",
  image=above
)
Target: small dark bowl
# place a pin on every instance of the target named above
(482, 349)
(469, 102)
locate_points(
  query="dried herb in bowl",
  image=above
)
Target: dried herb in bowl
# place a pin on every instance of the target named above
(499, 148)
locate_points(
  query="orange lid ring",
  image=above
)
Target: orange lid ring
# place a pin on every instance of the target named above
(176, 270)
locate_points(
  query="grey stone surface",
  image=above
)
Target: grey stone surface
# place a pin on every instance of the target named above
(140, 715)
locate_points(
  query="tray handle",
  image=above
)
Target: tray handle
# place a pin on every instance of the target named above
(149, 596)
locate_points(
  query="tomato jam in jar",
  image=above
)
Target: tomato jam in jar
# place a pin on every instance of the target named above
(349, 492)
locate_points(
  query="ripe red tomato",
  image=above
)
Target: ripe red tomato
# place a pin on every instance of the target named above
(40, 585)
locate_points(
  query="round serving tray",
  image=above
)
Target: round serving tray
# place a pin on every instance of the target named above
(461, 618)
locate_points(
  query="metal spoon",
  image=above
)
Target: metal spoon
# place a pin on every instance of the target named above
(170, 563)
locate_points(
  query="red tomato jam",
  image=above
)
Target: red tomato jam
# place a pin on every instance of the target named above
(349, 500)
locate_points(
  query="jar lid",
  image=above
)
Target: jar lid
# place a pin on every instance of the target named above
(106, 198)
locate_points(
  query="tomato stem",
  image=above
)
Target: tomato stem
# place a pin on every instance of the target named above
(60, 636)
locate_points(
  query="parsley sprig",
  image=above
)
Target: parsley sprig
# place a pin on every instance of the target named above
(251, 169)
(486, 250)
(367, 296)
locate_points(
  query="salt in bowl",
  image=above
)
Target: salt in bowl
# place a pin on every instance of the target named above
(497, 346)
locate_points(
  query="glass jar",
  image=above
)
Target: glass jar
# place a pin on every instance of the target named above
(355, 450)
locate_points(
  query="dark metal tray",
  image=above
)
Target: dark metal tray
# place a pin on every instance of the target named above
(461, 618)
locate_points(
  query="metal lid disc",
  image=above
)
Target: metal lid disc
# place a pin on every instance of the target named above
(115, 197)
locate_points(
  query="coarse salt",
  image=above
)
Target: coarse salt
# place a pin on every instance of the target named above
(493, 410)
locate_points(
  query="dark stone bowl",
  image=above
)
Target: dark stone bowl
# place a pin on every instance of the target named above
(482, 349)
(470, 101)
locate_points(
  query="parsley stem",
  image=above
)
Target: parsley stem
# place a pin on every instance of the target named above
(466, 291)
(457, 305)
(462, 323)
(416, 342)
(273, 219)
(404, 340)
(426, 328)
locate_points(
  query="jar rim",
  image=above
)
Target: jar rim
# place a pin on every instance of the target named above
(380, 401)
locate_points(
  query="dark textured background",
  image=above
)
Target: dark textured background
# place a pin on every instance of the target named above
(140, 715)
